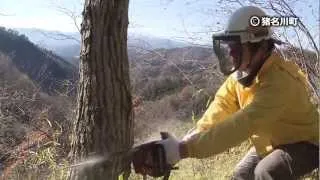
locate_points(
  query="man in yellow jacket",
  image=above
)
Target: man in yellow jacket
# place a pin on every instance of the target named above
(264, 99)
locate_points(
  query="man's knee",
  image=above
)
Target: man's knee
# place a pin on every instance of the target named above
(244, 169)
(240, 174)
(273, 166)
(262, 171)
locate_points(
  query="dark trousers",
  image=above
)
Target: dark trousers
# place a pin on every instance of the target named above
(286, 162)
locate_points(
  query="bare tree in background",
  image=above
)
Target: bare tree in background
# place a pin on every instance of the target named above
(104, 123)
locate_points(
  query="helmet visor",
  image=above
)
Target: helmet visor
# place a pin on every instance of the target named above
(228, 51)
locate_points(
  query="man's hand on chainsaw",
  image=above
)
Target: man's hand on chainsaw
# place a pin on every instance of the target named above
(171, 148)
(156, 158)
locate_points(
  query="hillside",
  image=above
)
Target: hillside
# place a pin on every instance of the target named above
(29, 117)
(45, 68)
(162, 71)
(34, 102)
(171, 87)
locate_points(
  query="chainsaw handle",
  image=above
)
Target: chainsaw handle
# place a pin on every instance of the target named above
(164, 135)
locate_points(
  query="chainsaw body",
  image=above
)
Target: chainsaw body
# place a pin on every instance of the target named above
(150, 159)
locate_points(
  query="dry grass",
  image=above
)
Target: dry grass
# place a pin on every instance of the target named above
(33, 128)
(218, 167)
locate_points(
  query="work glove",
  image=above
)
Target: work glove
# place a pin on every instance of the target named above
(171, 148)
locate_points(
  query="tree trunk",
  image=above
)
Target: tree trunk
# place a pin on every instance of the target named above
(104, 122)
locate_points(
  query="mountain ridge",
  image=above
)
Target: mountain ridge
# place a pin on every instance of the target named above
(44, 67)
(67, 44)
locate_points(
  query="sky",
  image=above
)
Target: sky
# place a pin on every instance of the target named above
(156, 17)
(177, 19)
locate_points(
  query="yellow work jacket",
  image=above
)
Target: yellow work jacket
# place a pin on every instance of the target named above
(276, 109)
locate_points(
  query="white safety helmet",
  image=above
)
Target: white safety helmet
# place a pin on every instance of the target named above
(240, 23)
(239, 30)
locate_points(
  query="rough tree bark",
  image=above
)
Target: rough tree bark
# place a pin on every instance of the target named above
(104, 122)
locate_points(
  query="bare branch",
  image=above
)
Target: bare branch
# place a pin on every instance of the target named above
(59, 36)
(71, 14)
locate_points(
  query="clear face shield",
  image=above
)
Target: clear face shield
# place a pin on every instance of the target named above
(228, 50)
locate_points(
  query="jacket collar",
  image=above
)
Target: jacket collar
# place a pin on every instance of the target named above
(274, 58)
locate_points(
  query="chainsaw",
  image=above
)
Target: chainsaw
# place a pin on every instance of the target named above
(150, 159)
(147, 159)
